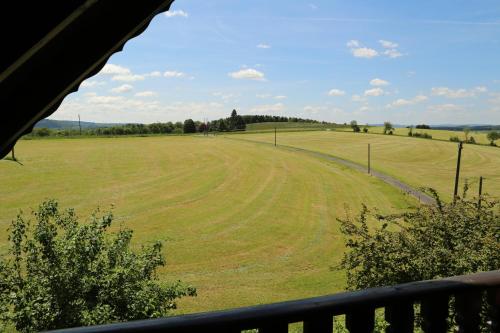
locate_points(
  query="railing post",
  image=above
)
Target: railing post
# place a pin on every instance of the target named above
(493, 298)
(400, 317)
(468, 307)
(319, 323)
(278, 327)
(434, 311)
(361, 320)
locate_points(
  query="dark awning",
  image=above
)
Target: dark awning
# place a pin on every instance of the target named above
(50, 47)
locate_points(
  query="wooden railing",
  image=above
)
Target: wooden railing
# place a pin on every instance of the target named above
(470, 300)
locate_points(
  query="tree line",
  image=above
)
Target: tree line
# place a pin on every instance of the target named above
(234, 122)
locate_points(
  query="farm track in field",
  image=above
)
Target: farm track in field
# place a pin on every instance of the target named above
(419, 195)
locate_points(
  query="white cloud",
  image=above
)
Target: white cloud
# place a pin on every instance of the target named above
(90, 84)
(313, 6)
(264, 46)
(280, 97)
(155, 74)
(248, 74)
(112, 69)
(357, 98)
(146, 93)
(128, 77)
(458, 93)
(123, 88)
(263, 95)
(336, 92)
(374, 92)
(387, 44)
(353, 44)
(393, 53)
(174, 74)
(379, 82)
(259, 109)
(444, 107)
(364, 52)
(173, 13)
(404, 102)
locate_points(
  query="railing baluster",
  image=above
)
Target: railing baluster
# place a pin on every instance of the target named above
(493, 297)
(434, 311)
(468, 307)
(320, 323)
(360, 320)
(278, 327)
(400, 317)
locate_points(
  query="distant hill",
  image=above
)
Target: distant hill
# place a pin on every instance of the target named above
(70, 124)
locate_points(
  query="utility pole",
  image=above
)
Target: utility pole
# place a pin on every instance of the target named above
(275, 136)
(79, 125)
(369, 167)
(480, 192)
(457, 174)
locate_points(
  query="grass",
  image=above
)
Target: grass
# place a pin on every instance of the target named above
(287, 125)
(243, 222)
(479, 136)
(418, 162)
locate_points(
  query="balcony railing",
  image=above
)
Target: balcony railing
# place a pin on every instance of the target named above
(475, 296)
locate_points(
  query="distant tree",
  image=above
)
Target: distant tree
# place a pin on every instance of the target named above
(423, 126)
(410, 130)
(354, 126)
(59, 273)
(221, 126)
(202, 128)
(466, 133)
(471, 140)
(365, 129)
(233, 120)
(189, 126)
(493, 136)
(387, 127)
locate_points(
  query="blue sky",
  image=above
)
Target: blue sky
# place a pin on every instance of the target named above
(407, 62)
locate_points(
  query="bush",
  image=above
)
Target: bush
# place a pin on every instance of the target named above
(422, 135)
(471, 140)
(431, 242)
(365, 129)
(60, 274)
(454, 139)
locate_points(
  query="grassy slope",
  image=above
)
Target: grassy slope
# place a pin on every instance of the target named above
(286, 125)
(445, 135)
(418, 162)
(244, 223)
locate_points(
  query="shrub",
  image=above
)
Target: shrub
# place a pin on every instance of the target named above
(422, 135)
(60, 273)
(365, 129)
(471, 140)
(433, 241)
(454, 139)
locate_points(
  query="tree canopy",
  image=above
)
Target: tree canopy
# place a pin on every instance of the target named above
(60, 273)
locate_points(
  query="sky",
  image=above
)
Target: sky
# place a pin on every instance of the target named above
(408, 62)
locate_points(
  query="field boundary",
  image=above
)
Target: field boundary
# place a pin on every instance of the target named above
(417, 194)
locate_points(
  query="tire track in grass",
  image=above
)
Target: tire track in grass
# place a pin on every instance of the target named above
(419, 195)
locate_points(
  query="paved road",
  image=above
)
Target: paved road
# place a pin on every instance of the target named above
(419, 195)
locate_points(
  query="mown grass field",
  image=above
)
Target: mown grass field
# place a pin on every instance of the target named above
(479, 136)
(418, 162)
(245, 223)
(287, 126)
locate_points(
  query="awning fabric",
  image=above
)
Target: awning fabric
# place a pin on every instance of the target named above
(50, 47)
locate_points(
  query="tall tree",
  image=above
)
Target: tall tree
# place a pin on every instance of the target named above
(493, 136)
(387, 127)
(189, 126)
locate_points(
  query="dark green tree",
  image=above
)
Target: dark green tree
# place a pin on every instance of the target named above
(189, 126)
(493, 136)
(233, 120)
(221, 125)
(388, 127)
(354, 126)
(60, 273)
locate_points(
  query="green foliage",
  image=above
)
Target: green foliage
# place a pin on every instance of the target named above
(355, 126)
(189, 126)
(422, 135)
(433, 241)
(471, 140)
(493, 136)
(60, 274)
(454, 138)
(365, 129)
(388, 127)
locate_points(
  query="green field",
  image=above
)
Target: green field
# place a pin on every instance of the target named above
(479, 136)
(244, 222)
(287, 126)
(418, 162)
